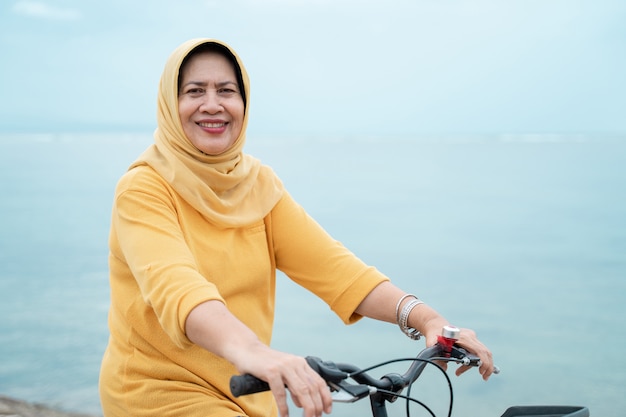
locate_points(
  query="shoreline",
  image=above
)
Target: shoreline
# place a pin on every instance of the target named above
(13, 407)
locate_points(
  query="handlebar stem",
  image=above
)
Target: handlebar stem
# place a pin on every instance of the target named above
(397, 385)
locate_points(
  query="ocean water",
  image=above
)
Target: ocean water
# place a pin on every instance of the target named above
(520, 237)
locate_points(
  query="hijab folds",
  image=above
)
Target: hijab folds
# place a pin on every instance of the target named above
(231, 189)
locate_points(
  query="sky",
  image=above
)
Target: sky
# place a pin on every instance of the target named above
(336, 67)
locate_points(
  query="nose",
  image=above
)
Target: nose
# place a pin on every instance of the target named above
(211, 103)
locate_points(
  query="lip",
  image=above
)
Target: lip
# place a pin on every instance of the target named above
(213, 126)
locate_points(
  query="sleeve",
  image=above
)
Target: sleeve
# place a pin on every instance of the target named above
(308, 255)
(148, 238)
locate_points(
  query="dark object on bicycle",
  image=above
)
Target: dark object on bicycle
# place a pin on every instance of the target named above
(546, 411)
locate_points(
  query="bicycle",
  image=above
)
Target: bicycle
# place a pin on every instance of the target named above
(389, 387)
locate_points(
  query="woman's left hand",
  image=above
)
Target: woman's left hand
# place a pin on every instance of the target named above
(469, 341)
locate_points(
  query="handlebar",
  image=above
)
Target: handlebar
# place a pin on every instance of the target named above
(387, 388)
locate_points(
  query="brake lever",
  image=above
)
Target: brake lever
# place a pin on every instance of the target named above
(335, 379)
(347, 393)
(326, 369)
(463, 357)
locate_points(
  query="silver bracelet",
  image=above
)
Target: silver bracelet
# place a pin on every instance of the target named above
(404, 297)
(404, 318)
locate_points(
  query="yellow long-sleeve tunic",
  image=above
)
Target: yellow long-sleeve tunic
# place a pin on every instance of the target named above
(166, 258)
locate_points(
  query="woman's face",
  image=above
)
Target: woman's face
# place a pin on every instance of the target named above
(210, 105)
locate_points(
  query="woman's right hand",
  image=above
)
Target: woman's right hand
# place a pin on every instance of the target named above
(284, 371)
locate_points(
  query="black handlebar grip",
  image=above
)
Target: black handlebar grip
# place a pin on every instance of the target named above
(247, 384)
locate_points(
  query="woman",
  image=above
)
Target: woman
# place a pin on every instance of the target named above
(198, 231)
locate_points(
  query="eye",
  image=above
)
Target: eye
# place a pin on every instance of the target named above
(195, 91)
(227, 91)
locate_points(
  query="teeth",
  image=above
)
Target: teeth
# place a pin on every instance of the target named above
(211, 124)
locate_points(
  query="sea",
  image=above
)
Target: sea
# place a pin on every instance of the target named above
(520, 237)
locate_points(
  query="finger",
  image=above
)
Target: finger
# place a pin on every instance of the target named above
(319, 392)
(442, 364)
(487, 367)
(277, 386)
(470, 341)
(325, 396)
(303, 393)
(315, 393)
(462, 369)
(486, 359)
(304, 397)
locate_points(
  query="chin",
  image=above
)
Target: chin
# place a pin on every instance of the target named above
(213, 148)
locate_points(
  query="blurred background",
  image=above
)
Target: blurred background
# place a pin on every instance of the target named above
(325, 67)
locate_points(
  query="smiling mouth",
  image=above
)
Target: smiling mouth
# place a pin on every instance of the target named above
(212, 125)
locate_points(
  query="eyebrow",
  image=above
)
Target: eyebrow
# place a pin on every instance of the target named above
(204, 83)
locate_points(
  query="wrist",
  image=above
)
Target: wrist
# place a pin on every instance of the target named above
(427, 321)
(404, 309)
(245, 354)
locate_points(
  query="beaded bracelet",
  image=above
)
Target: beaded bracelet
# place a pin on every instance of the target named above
(403, 317)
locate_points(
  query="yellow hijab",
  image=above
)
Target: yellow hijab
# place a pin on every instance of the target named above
(231, 189)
